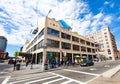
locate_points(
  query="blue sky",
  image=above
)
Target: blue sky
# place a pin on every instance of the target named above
(19, 17)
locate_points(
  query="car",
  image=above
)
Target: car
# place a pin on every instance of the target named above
(87, 63)
(2, 61)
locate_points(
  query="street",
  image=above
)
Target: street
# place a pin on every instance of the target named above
(66, 75)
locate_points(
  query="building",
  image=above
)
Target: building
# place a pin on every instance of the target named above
(3, 44)
(54, 40)
(106, 41)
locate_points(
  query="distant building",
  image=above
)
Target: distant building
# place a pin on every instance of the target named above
(106, 41)
(3, 44)
(54, 40)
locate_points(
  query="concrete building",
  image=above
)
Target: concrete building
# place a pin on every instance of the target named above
(106, 41)
(3, 44)
(54, 40)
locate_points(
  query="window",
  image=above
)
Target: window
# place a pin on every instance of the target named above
(66, 45)
(75, 39)
(52, 32)
(75, 47)
(105, 33)
(105, 36)
(52, 43)
(65, 36)
(41, 33)
(109, 51)
(107, 42)
(40, 44)
(108, 46)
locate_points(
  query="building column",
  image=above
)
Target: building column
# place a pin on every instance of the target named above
(72, 58)
(36, 57)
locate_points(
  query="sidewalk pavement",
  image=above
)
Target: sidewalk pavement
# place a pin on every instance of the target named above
(37, 68)
(115, 79)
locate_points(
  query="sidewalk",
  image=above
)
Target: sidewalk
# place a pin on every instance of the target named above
(37, 68)
(103, 80)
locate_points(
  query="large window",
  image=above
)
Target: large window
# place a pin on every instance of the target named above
(65, 36)
(41, 33)
(76, 47)
(52, 43)
(52, 32)
(40, 44)
(66, 45)
(75, 39)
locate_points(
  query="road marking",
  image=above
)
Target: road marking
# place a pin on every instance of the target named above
(26, 79)
(3, 76)
(92, 69)
(6, 80)
(107, 66)
(40, 80)
(66, 82)
(79, 82)
(53, 81)
(3, 72)
(82, 72)
(91, 79)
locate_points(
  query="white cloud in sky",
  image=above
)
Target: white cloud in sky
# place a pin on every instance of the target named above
(106, 3)
(21, 16)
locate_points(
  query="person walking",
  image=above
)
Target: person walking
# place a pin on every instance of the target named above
(14, 62)
(27, 62)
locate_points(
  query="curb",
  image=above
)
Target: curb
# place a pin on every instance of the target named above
(111, 72)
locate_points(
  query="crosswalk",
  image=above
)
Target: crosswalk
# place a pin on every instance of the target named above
(43, 78)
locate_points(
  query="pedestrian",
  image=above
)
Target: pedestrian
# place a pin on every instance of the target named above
(14, 62)
(31, 63)
(27, 62)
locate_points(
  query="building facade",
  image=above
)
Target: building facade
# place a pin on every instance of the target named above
(3, 44)
(106, 41)
(54, 40)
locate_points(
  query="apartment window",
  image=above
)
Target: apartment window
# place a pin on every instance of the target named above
(40, 44)
(65, 36)
(88, 43)
(105, 33)
(52, 32)
(35, 47)
(83, 49)
(76, 47)
(106, 39)
(108, 46)
(88, 50)
(107, 42)
(66, 45)
(82, 41)
(52, 43)
(105, 36)
(41, 33)
(75, 39)
(109, 51)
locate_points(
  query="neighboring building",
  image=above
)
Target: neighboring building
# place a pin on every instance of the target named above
(106, 42)
(3, 44)
(54, 40)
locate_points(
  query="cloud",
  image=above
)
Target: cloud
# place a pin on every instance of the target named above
(106, 3)
(112, 5)
(18, 17)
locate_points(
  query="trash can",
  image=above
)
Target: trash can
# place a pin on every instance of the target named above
(18, 67)
(46, 66)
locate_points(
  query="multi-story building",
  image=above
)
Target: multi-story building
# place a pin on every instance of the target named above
(106, 42)
(54, 40)
(3, 44)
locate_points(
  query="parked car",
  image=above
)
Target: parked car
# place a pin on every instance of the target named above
(87, 63)
(1, 61)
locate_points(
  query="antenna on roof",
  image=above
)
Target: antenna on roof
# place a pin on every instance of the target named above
(49, 12)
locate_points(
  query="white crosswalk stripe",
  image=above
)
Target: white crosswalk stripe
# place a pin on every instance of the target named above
(43, 78)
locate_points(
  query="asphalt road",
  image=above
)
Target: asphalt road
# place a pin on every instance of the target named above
(72, 75)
